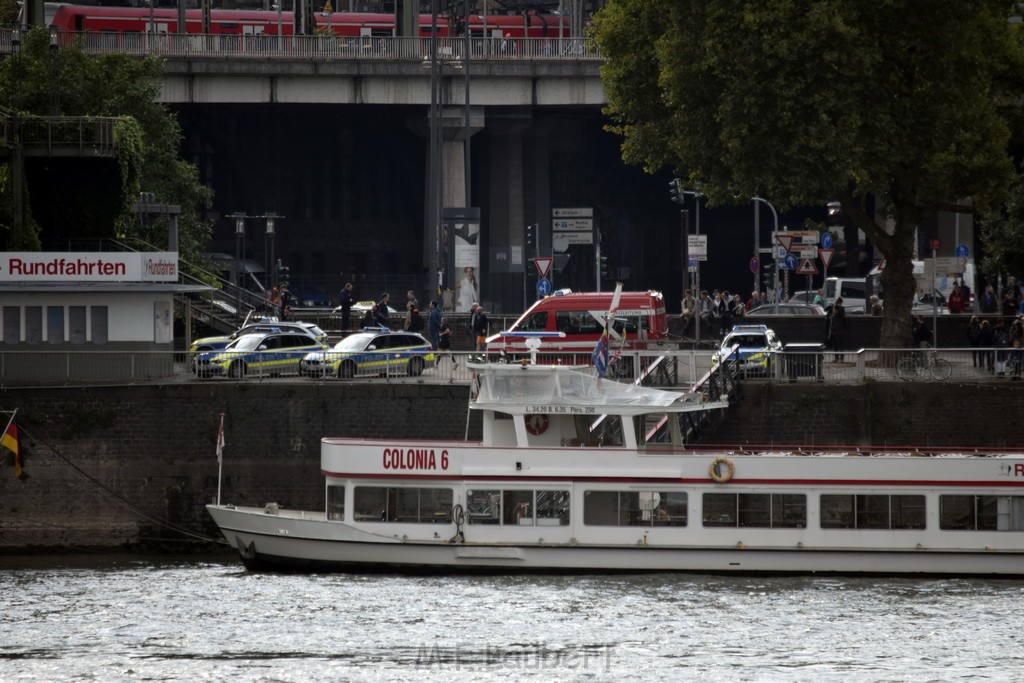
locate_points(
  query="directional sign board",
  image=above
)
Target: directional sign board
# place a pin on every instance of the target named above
(543, 265)
(579, 212)
(697, 246)
(807, 267)
(572, 237)
(572, 224)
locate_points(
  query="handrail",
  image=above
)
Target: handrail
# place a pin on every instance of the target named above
(450, 51)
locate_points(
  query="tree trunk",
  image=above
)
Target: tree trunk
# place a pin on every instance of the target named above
(899, 286)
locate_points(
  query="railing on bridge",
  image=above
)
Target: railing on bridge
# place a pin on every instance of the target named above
(450, 51)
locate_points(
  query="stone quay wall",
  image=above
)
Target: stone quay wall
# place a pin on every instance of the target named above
(109, 466)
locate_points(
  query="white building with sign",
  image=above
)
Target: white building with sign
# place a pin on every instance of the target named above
(105, 302)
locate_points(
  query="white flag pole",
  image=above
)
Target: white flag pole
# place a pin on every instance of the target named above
(220, 455)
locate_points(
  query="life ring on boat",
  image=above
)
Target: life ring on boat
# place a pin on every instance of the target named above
(719, 475)
(536, 423)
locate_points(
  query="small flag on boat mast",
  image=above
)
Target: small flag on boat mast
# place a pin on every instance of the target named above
(11, 442)
(220, 454)
(220, 441)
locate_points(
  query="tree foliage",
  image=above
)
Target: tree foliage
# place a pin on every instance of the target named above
(81, 198)
(800, 101)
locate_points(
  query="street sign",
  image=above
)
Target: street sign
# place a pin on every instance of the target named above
(693, 263)
(962, 251)
(785, 241)
(807, 251)
(790, 263)
(755, 265)
(826, 242)
(945, 265)
(935, 245)
(559, 243)
(807, 267)
(826, 255)
(573, 237)
(543, 287)
(562, 224)
(697, 245)
(543, 264)
(579, 212)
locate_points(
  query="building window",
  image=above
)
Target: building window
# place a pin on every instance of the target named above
(76, 318)
(12, 324)
(34, 324)
(55, 325)
(755, 510)
(872, 512)
(99, 333)
(981, 513)
(635, 508)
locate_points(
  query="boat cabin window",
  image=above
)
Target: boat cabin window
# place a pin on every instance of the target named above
(653, 429)
(764, 510)
(605, 430)
(981, 513)
(635, 508)
(336, 502)
(518, 507)
(408, 505)
(877, 511)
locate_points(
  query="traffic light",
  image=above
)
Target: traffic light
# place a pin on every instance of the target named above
(675, 191)
(531, 236)
(282, 274)
(604, 266)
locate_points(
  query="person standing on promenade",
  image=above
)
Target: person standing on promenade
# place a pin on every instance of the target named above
(434, 324)
(346, 305)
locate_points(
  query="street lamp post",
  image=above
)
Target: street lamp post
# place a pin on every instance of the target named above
(236, 271)
(271, 219)
(757, 240)
(54, 73)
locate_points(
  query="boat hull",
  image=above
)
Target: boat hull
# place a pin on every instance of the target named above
(283, 543)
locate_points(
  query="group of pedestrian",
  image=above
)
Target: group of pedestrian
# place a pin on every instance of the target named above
(998, 348)
(715, 312)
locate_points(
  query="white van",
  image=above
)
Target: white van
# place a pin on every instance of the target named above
(854, 292)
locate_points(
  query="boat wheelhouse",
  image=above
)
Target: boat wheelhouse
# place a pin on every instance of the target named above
(578, 473)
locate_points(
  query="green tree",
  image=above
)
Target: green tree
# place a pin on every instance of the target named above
(801, 101)
(85, 198)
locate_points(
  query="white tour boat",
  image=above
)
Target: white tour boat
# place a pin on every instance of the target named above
(577, 473)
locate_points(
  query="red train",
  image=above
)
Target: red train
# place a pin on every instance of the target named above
(80, 18)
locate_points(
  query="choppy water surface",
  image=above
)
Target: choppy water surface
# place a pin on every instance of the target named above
(130, 619)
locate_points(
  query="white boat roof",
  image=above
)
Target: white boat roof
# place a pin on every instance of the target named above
(519, 389)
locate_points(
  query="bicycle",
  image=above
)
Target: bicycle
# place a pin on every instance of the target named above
(925, 361)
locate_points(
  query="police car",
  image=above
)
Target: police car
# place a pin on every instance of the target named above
(272, 354)
(373, 351)
(757, 346)
(266, 326)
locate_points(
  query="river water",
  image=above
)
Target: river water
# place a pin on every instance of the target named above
(126, 618)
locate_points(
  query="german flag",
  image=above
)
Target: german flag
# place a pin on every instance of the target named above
(11, 442)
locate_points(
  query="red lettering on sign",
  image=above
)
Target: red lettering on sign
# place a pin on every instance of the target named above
(413, 459)
(1018, 470)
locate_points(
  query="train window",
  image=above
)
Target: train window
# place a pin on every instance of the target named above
(228, 24)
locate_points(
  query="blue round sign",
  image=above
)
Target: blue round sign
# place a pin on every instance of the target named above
(962, 251)
(791, 262)
(543, 286)
(826, 240)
